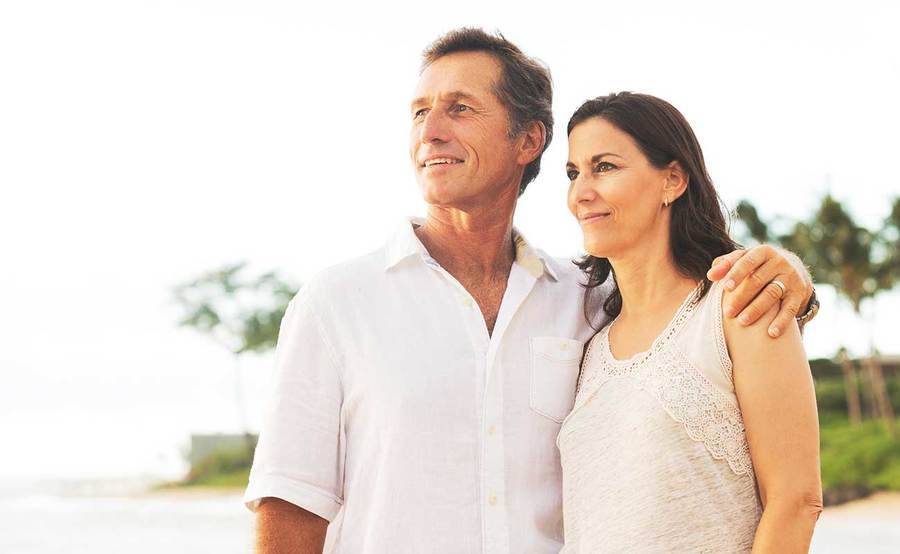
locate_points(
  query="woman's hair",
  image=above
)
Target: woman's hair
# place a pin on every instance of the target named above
(698, 230)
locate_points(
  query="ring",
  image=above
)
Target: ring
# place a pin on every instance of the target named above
(780, 285)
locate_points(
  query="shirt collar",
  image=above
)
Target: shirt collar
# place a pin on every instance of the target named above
(404, 243)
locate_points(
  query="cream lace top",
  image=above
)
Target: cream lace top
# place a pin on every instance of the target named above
(653, 454)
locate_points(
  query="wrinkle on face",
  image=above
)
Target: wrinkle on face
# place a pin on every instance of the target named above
(457, 93)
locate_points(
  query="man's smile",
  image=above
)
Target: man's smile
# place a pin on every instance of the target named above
(440, 161)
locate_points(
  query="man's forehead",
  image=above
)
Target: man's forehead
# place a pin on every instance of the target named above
(448, 96)
(461, 74)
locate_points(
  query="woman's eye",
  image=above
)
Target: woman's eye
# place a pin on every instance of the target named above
(572, 174)
(603, 167)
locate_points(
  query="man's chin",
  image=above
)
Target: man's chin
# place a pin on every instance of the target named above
(442, 193)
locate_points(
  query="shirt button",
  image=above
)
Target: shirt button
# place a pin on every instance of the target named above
(563, 346)
(492, 500)
(492, 429)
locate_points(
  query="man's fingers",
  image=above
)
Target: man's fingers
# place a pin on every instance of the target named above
(761, 304)
(722, 264)
(797, 283)
(790, 307)
(753, 285)
(749, 262)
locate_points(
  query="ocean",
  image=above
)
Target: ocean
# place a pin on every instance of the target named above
(194, 522)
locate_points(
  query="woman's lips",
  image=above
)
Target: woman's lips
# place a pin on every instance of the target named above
(594, 217)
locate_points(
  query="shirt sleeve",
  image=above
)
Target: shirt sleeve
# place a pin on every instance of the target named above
(300, 454)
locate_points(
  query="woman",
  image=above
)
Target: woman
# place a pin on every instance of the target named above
(690, 432)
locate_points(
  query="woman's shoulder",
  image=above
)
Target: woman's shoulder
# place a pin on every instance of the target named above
(703, 338)
(752, 345)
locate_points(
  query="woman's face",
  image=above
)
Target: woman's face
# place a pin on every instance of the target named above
(616, 194)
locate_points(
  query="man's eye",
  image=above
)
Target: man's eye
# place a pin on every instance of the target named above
(603, 167)
(420, 113)
(460, 107)
(571, 174)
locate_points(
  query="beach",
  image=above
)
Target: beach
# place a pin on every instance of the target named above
(870, 525)
(174, 521)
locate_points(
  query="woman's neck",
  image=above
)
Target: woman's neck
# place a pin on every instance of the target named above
(649, 280)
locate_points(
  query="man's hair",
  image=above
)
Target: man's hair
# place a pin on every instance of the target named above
(524, 87)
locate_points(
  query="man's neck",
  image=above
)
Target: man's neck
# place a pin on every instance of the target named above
(475, 244)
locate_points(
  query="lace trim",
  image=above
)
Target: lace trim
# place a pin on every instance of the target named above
(623, 367)
(707, 414)
(721, 345)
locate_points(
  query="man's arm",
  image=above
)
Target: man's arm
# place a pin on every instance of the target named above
(749, 274)
(296, 489)
(283, 528)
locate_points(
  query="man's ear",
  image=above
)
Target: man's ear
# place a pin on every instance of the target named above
(676, 181)
(531, 142)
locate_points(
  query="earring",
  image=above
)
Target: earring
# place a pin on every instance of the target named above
(666, 203)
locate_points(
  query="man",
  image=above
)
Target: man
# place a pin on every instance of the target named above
(419, 389)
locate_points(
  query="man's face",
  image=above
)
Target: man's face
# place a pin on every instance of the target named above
(459, 141)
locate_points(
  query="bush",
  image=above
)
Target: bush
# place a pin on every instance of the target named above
(222, 468)
(831, 394)
(831, 397)
(858, 460)
(823, 368)
(893, 390)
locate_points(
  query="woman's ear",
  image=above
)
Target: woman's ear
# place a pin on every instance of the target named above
(676, 181)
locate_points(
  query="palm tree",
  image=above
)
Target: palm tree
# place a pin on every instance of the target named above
(241, 313)
(857, 262)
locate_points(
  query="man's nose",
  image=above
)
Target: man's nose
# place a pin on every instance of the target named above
(434, 128)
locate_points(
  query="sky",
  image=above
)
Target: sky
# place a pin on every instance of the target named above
(143, 143)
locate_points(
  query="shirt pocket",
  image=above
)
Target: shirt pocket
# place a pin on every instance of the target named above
(554, 371)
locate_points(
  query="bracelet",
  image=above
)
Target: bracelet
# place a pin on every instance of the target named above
(812, 308)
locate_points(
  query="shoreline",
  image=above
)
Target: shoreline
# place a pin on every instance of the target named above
(177, 492)
(878, 505)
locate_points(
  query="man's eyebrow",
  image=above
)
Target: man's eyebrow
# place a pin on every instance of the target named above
(452, 96)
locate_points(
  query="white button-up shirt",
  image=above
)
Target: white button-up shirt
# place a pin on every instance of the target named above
(396, 416)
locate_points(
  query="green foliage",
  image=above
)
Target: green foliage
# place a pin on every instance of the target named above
(855, 460)
(857, 261)
(241, 313)
(831, 396)
(890, 243)
(825, 368)
(893, 390)
(224, 468)
(860, 458)
(839, 251)
(755, 227)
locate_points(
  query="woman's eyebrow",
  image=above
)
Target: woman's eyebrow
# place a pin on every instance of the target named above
(596, 158)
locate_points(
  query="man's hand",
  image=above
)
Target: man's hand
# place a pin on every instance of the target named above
(750, 274)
